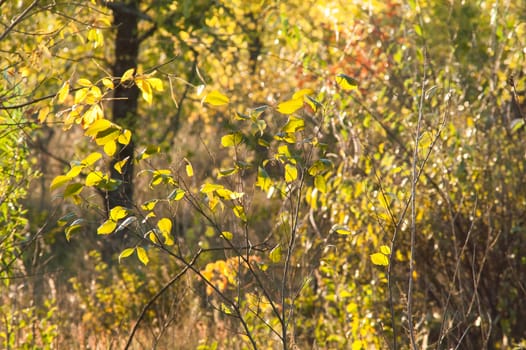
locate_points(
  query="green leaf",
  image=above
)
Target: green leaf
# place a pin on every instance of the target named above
(291, 173)
(107, 227)
(126, 253)
(73, 190)
(275, 254)
(215, 98)
(143, 257)
(379, 259)
(346, 82)
(232, 140)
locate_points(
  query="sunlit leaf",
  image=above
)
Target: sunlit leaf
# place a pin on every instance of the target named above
(165, 227)
(125, 137)
(215, 98)
(63, 92)
(118, 166)
(146, 90)
(275, 254)
(143, 257)
(341, 230)
(320, 183)
(59, 181)
(231, 140)
(110, 148)
(98, 126)
(239, 211)
(84, 82)
(108, 83)
(227, 235)
(118, 212)
(107, 227)
(189, 169)
(156, 83)
(126, 253)
(75, 227)
(385, 250)
(293, 124)
(379, 259)
(290, 106)
(346, 82)
(301, 93)
(207, 188)
(94, 178)
(91, 159)
(128, 75)
(75, 170)
(291, 173)
(176, 195)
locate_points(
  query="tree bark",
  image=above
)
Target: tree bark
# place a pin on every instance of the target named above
(125, 19)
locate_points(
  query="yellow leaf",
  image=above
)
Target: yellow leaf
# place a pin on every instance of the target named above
(385, 250)
(156, 83)
(275, 254)
(165, 226)
(94, 178)
(125, 137)
(346, 82)
(97, 126)
(379, 259)
(118, 213)
(128, 75)
(74, 171)
(92, 114)
(290, 106)
(59, 181)
(126, 253)
(215, 98)
(227, 235)
(118, 166)
(149, 205)
(146, 90)
(189, 169)
(153, 237)
(42, 114)
(80, 95)
(207, 188)
(231, 140)
(110, 148)
(239, 211)
(143, 257)
(320, 183)
(301, 93)
(63, 92)
(108, 83)
(291, 173)
(91, 159)
(84, 82)
(107, 227)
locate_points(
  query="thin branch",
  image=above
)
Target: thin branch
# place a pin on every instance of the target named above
(19, 19)
(414, 181)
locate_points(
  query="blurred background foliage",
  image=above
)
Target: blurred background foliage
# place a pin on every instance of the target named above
(459, 65)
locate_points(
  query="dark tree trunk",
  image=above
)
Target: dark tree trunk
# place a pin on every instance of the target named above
(125, 18)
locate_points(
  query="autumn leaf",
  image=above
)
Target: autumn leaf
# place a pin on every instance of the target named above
(215, 98)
